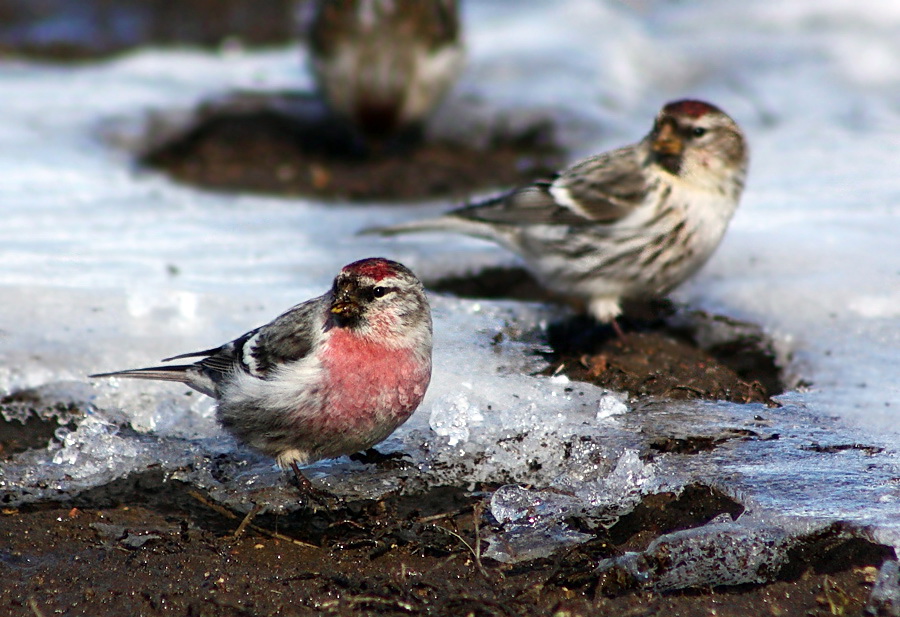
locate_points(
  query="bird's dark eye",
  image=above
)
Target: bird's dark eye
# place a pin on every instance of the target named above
(380, 292)
(698, 131)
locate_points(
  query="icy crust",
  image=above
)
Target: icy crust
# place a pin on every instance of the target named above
(885, 596)
(533, 522)
(712, 555)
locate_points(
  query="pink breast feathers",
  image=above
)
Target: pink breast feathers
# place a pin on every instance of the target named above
(368, 382)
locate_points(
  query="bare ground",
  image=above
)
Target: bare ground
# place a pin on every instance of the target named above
(174, 554)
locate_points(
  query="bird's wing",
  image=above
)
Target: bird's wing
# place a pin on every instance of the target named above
(218, 362)
(600, 189)
(606, 187)
(288, 338)
(530, 205)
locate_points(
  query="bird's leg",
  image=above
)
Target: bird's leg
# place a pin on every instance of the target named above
(617, 329)
(307, 488)
(605, 311)
(302, 481)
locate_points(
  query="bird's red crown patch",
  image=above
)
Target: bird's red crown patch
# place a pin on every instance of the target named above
(694, 109)
(375, 268)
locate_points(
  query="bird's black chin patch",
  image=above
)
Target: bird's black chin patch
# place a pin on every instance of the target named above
(670, 162)
(345, 320)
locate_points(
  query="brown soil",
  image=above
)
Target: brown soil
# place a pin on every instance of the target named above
(166, 551)
(665, 364)
(286, 144)
(36, 430)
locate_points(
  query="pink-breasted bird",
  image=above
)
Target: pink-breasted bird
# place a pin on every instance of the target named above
(331, 376)
(631, 223)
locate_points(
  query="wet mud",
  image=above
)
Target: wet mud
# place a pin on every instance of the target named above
(290, 144)
(22, 425)
(165, 550)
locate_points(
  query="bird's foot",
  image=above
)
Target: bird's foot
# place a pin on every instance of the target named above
(322, 497)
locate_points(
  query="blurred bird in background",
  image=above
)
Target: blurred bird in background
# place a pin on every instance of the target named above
(383, 65)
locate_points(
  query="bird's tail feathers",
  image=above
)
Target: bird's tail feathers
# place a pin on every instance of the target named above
(192, 354)
(182, 373)
(452, 224)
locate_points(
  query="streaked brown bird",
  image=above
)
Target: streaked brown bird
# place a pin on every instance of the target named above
(627, 224)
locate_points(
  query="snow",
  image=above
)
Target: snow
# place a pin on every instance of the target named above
(107, 266)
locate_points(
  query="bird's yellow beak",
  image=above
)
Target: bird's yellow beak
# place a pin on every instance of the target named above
(346, 302)
(344, 307)
(668, 142)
